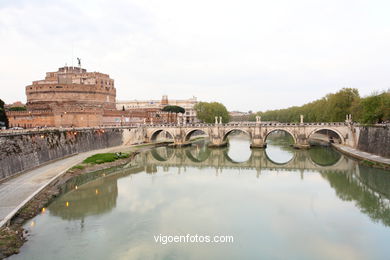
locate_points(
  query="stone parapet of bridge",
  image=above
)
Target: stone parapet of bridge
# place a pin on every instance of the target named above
(348, 134)
(258, 132)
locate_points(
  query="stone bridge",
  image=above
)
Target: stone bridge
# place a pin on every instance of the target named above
(258, 132)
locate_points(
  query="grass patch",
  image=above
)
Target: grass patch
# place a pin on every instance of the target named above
(142, 145)
(368, 163)
(105, 157)
(78, 167)
(375, 164)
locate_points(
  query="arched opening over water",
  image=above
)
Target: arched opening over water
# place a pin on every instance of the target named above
(325, 135)
(196, 133)
(279, 146)
(162, 154)
(197, 153)
(161, 135)
(324, 156)
(239, 145)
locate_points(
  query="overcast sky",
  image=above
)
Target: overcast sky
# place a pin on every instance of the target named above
(249, 55)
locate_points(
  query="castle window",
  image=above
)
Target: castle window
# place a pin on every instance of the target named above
(58, 86)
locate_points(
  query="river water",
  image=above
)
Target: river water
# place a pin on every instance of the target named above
(276, 203)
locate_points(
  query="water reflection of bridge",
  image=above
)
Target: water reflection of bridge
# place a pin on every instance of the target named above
(219, 158)
(368, 188)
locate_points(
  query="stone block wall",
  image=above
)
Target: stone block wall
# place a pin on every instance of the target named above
(375, 140)
(25, 151)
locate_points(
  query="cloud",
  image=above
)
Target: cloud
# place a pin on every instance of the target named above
(250, 55)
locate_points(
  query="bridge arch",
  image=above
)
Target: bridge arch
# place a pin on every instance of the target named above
(329, 129)
(229, 131)
(155, 133)
(281, 129)
(191, 131)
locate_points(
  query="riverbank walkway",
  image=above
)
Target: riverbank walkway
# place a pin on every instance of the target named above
(17, 191)
(361, 155)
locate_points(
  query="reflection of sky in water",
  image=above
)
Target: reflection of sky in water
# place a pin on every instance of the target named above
(277, 154)
(239, 148)
(279, 215)
(278, 149)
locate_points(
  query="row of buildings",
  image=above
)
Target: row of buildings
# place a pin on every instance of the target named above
(73, 97)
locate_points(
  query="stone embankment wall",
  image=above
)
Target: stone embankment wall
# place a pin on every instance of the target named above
(20, 152)
(375, 140)
(133, 136)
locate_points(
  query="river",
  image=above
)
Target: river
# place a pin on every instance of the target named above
(277, 203)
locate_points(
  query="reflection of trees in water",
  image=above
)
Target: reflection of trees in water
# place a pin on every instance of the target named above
(93, 198)
(162, 153)
(324, 156)
(196, 154)
(200, 152)
(94, 195)
(369, 187)
(370, 191)
(376, 178)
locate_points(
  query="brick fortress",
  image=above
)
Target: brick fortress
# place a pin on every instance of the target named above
(73, 97)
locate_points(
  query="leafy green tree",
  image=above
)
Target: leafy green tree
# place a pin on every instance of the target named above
(332, 108)
(3, 116)
(174, 109)
(375, 108)
(339, 104)
(17, 109)
(207, 112)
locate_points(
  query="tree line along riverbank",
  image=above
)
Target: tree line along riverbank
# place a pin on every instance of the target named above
(334, 107)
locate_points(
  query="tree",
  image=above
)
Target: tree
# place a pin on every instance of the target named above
(375, 108)
(331, 108)
(3, 116)
(339, 104)
(207, 112)
(174, 109)
(17, 109)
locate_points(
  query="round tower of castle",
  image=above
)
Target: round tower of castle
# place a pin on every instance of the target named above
(71, 88)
